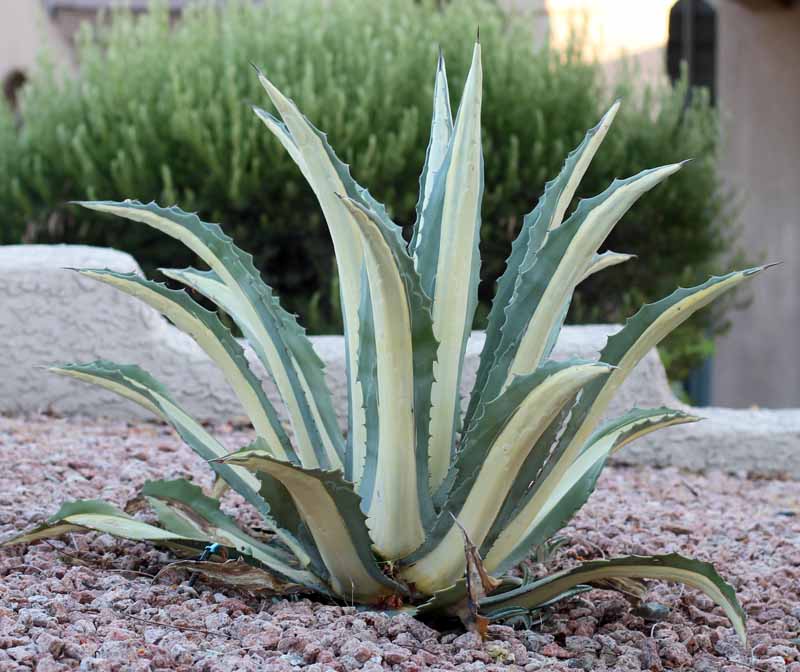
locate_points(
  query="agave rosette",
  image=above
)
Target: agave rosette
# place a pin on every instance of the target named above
(380, 518)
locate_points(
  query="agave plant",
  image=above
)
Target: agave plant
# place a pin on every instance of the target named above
(383, 516)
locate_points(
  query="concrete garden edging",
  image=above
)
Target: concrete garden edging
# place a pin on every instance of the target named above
(51, 315)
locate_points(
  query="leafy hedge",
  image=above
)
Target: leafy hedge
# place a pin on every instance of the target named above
(158, 112)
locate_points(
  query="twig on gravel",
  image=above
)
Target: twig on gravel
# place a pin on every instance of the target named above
(95, 564)
(584, 540)
(170, 625)
(130, 571)
(187, 628)
(742, 663)
(61, 551)
(19, 567)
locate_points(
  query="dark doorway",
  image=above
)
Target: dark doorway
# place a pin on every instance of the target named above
(693, 40)
(12, 84)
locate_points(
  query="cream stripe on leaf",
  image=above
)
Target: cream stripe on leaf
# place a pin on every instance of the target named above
(642, 332)
(599, 263)
(332, 511)
(396, 471)
(536, 225)
(578, 162)
(596, 218)
(277, 339)
(90, 514)
(546, 283)
(209, 285)
(449, 264)
(636, 423)
(623, 351)
(329, 177)
(606, 260)
(493, 450)
(140, 387)
(672, 567)
(281, 131)
(547, 448)
(218, 343)
(514, 537)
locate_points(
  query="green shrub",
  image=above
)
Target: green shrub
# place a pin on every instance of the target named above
(159, 112)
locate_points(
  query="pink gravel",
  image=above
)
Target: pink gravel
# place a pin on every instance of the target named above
(86, 602)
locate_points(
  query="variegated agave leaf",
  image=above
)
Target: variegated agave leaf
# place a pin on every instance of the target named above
(182, 508)
(673, 567)
(275, 336)
(331, 509)
(446, 250)
(398, 318)
(140, 387)
(441, 131)
(217, 341)
(84, 515)
(546, 216)
(495, 446)
(574, 487)
(545, 285)
(134, 383)
(623, 351)
(330, 178)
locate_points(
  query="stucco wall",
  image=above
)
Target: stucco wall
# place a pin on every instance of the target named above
(52, 315)
(759, 92)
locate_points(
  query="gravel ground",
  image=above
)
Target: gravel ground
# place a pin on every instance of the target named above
(88, 601)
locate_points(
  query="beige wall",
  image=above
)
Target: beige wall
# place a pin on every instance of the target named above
(759, 91)
(24, 28)
(614, 30)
